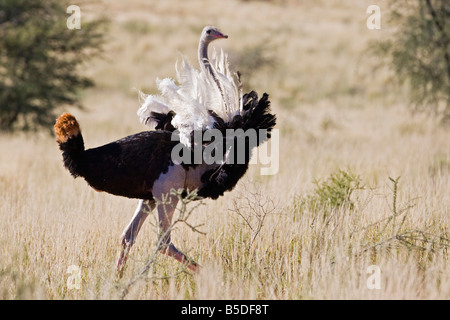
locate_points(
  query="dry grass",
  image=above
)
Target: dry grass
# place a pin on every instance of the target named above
(333, 114)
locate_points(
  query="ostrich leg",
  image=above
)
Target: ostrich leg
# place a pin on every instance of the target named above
(131, 231)
(165, 214)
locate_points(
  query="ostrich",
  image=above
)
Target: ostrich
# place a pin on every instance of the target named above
(141, 165)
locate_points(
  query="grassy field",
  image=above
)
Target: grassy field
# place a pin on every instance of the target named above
(314, 230)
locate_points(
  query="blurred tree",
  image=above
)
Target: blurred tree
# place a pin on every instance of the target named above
(39, 59)
(419, 52)
(252, 59)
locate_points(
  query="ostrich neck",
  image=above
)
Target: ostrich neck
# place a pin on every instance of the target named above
(203, 56)
(204, 61)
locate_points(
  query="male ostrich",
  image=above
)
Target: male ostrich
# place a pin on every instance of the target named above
(141, 166)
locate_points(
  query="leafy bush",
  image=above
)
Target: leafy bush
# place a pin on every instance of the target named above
(419, 52)
(39, 59)
(336, 191)
(333, 193)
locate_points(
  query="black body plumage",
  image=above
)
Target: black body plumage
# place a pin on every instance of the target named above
(129, 167)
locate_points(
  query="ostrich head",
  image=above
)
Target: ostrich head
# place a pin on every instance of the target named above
(211, 33)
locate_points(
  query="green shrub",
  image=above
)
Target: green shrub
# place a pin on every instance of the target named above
(333, 193)
(39, 61)
(419, 52)
(336, 191)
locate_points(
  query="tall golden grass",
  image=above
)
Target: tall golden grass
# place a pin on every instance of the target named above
(265, 239)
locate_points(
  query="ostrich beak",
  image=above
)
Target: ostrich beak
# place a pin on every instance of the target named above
(220, 35)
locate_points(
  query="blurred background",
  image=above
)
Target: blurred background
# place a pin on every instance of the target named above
(340, 53)
(303, 54)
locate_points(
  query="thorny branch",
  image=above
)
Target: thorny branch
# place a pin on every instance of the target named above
(409, 238)
(253, 207)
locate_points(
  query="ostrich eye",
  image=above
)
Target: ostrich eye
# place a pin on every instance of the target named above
(208, 31)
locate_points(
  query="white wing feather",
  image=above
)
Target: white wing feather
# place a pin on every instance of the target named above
(195, 93)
